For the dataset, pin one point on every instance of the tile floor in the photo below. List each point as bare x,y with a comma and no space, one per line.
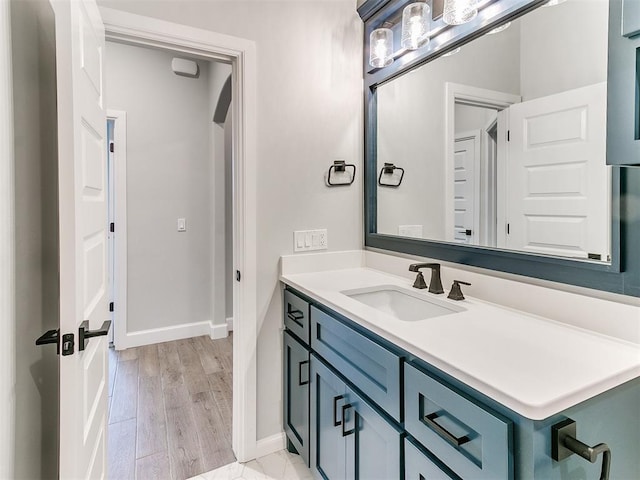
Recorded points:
280,465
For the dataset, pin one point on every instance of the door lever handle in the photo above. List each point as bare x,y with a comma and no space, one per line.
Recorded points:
84,334
50,336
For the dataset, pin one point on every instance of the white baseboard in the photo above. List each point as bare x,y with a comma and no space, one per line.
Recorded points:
230,324
168,334
219,331
271,444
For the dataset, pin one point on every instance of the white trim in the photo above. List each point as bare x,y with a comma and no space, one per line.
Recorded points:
7,251
136,29
219,331
171,333
467,95
230,324
120,219
269,445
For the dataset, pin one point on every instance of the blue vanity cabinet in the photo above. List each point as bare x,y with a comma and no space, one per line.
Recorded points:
296,316
418,465
350,439
328,446
623,97
374,369
296,394
470,439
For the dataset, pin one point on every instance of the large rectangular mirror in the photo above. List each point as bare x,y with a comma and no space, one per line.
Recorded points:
502,142
487,146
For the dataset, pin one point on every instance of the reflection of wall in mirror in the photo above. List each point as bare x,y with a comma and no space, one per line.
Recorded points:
547,51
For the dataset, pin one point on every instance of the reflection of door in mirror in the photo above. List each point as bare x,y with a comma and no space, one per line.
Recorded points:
557,201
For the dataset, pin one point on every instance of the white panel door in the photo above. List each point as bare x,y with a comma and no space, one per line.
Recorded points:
466,188
83,237
558,183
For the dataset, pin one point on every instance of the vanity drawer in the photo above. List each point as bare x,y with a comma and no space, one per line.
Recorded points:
418,466
370,367
469,439
296,315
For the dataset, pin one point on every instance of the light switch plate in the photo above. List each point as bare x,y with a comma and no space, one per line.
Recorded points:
182,225
307,240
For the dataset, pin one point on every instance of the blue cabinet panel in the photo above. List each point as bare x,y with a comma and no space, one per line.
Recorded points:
328,446
418,466
469,439
370,367
296,315
623,94
296,395
373,444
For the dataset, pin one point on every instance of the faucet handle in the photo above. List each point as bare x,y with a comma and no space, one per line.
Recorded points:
456,291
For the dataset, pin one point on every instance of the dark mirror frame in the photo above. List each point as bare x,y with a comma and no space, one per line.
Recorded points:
584,273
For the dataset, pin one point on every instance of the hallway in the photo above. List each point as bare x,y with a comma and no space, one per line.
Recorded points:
170,409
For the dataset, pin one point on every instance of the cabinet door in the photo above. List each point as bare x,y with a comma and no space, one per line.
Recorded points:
419,466
296,395
328,446
373,444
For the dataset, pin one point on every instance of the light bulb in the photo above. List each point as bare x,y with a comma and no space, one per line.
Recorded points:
381,47
416,19
457,12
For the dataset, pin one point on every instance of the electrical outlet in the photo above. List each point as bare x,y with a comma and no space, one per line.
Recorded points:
307,240
323,239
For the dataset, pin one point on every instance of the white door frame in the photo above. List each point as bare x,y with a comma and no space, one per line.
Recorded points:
467,95
145,31
7,251
119,179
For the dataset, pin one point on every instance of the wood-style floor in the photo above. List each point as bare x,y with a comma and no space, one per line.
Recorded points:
170,409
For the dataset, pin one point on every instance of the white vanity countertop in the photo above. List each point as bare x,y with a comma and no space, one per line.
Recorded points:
535,366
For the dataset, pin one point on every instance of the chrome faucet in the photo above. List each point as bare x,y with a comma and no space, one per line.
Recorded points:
435,285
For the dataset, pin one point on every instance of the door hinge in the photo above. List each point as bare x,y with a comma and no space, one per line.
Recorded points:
112,227
238,276
111,147
508,136
111,306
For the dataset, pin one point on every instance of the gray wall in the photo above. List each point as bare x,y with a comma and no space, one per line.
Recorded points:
36,237
573,33
169,168
309,113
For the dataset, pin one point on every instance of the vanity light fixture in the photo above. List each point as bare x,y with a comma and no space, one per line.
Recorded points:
416,20
381,45
457,12
499,29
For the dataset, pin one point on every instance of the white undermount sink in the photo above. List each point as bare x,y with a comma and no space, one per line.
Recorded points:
401,303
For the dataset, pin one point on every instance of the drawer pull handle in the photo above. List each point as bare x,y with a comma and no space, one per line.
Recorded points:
336,423
444,433
300,382
346,407
296,316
